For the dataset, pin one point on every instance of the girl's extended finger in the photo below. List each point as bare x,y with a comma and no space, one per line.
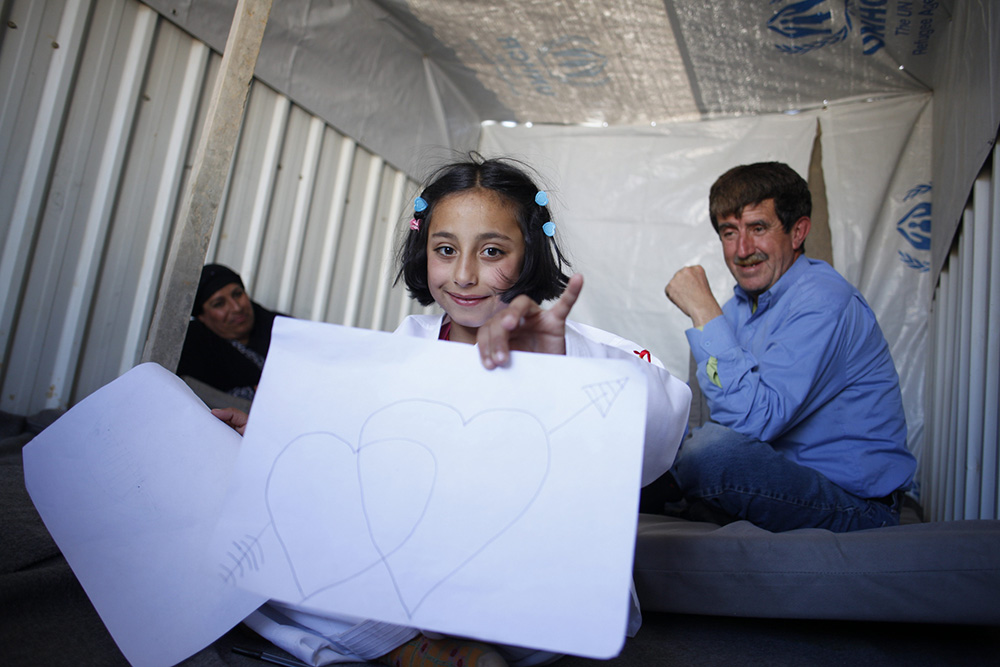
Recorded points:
569,296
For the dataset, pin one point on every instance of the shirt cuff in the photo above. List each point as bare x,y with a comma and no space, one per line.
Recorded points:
714,339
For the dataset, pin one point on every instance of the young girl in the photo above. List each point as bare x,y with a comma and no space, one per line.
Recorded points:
481,245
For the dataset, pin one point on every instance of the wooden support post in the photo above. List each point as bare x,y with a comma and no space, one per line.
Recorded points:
200,203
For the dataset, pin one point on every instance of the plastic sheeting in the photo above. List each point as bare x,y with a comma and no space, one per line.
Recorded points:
593,61
632,208
400,76
575,61
877,169
354,65
967,113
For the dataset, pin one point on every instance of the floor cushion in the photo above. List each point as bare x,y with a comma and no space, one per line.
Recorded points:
936,572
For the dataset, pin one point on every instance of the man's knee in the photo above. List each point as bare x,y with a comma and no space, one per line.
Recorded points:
709,444
701,456
715,457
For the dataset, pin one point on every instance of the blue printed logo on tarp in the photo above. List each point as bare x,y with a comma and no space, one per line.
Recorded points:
915,226
574,59
810,23
801,19
571,59
813,24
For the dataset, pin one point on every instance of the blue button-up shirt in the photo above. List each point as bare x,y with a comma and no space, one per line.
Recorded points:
809,371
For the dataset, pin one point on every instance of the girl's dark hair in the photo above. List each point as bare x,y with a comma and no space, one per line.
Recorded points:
542,275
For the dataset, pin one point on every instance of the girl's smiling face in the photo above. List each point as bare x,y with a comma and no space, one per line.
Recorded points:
475,251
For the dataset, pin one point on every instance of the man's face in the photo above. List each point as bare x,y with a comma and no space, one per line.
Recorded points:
757,249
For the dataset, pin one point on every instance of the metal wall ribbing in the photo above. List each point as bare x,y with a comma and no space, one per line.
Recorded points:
961,474
102,102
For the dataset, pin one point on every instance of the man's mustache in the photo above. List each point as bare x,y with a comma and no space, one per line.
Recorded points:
755,258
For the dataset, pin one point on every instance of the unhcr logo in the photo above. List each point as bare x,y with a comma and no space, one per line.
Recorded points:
809,24
806,18
915,227
814,24
574,60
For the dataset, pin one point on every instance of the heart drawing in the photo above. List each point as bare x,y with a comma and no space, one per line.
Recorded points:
421,493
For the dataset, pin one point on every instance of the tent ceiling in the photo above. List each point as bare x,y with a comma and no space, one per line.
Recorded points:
428,72
638,61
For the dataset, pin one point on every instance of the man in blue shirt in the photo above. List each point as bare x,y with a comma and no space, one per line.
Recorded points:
807,418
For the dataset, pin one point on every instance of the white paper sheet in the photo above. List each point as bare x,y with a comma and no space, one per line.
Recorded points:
395,479
130,483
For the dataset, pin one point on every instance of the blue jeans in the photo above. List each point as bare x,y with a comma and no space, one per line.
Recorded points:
726,476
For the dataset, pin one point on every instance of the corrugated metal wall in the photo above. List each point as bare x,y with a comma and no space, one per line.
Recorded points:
101,105
961,478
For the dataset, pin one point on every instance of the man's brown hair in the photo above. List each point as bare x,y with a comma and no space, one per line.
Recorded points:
750,184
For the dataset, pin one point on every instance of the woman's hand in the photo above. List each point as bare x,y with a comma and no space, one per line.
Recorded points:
233,418
527,327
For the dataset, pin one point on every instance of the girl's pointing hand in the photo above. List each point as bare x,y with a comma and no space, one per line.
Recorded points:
527,327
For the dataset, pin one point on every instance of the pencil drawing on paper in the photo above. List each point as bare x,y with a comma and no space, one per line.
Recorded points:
245,553
382,504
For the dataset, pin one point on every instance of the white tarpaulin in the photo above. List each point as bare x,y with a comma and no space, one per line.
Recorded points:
401,76
632,208
877,167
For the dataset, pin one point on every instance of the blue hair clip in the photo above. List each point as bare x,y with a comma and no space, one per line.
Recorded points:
542,199
419,205
549,228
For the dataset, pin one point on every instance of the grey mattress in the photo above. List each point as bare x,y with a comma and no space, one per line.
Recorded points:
943,572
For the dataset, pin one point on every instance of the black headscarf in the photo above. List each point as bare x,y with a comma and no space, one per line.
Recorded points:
213,278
